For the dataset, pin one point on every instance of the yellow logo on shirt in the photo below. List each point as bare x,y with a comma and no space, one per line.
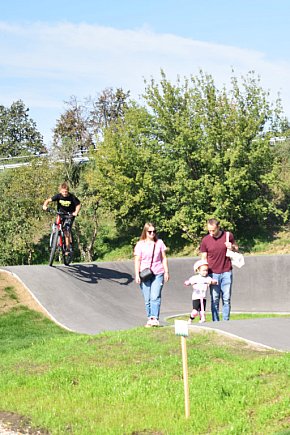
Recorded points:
64,203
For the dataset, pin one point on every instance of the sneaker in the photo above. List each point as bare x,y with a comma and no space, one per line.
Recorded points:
202,319
149,322
154,321
189,322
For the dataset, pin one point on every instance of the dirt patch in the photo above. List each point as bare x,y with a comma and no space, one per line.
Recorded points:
12,423
14,294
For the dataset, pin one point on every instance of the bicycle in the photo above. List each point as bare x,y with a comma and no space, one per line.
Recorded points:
57,238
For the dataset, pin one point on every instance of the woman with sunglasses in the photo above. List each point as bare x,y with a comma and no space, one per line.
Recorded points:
150,253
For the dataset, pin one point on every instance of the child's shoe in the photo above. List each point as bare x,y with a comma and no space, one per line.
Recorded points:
193,314
189,322
202,319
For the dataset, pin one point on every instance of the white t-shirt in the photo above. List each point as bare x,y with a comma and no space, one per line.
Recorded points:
200,285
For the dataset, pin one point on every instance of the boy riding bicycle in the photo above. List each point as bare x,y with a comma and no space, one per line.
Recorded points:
66,203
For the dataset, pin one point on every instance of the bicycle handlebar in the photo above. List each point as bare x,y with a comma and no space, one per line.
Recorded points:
61,213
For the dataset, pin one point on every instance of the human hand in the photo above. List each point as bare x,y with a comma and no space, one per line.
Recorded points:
166,276
44,207
229,245
137,279
187,282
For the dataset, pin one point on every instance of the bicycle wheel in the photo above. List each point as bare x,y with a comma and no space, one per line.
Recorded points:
53,247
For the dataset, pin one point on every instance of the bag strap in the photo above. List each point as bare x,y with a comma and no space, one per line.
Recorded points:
152,255
227,236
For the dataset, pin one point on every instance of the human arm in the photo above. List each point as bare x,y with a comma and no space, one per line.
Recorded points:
46,202
165,265
191,280
137,263
76,212
231,244
203,249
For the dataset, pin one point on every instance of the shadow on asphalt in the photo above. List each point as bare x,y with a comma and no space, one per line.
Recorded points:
92,274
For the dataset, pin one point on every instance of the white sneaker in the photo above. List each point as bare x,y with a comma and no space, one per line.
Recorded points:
148,324
189,322
202,320
154,321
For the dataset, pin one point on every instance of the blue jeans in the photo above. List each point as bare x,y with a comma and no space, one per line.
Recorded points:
151,290
222,289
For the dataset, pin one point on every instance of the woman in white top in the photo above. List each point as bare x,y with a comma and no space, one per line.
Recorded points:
150,253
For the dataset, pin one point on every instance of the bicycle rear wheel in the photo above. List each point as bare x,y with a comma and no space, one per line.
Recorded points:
53,247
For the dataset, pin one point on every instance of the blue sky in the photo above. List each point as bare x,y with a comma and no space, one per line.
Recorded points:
52,50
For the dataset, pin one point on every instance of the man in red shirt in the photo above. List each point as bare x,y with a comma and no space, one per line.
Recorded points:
213,248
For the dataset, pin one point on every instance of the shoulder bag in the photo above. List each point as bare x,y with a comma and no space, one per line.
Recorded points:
147,273
237,258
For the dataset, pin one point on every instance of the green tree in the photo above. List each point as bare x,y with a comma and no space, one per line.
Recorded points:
194,152
23,224
218,153
18,132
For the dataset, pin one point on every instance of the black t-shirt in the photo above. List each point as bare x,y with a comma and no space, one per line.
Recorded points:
66,204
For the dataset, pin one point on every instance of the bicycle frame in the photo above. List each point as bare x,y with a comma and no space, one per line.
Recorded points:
58,242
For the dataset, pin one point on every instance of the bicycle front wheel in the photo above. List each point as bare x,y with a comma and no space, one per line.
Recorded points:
68,256
54,241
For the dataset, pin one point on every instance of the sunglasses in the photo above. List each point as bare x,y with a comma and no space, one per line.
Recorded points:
151,232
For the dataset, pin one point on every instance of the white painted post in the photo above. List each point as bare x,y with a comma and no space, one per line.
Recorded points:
181,328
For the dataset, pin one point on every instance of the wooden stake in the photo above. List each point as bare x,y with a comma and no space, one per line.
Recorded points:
185,376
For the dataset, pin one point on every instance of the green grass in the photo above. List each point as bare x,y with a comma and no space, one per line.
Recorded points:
11,293
130,382
234,316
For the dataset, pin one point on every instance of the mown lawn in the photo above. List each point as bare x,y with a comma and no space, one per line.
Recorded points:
130,382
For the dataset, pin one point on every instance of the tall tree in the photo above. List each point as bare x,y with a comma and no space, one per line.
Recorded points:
18,132
106,109
71,137
196,151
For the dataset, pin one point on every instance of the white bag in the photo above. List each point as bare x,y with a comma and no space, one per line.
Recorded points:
237,258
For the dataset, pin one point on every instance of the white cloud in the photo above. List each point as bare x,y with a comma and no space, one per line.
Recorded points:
44,64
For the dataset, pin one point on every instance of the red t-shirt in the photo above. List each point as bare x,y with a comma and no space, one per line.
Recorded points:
216,252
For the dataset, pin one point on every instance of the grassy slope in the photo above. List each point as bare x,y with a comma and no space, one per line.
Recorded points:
131,381
279,245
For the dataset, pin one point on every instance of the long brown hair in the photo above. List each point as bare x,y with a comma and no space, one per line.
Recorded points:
145,229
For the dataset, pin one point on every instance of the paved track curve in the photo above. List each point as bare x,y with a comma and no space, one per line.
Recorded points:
95,297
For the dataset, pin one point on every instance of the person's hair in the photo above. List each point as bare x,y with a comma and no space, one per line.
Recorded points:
213,221
145,229
64,185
